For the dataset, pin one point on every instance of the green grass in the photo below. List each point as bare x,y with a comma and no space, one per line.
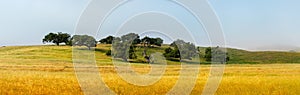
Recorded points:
263,57
64,54
35,55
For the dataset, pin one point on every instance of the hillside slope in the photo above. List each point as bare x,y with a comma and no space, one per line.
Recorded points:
53,55
242,56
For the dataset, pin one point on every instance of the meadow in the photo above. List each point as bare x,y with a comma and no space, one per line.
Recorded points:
36,70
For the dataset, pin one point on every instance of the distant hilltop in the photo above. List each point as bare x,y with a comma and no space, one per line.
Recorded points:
237,56
286,48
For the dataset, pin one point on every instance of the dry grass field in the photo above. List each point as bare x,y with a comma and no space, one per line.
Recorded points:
48,70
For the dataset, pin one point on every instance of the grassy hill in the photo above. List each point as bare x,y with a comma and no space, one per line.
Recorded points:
48,70
63,54
242,56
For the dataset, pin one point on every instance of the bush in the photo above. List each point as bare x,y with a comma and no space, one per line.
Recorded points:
108,53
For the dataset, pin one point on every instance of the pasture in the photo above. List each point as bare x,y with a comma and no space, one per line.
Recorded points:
36,70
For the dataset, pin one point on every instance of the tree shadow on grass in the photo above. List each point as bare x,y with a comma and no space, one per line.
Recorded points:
96,49
100,50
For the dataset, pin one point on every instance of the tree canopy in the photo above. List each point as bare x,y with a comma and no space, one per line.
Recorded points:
57,38
181,49
131,38
151,41
107,40
124,47
84,40
216,54
148,42
134,39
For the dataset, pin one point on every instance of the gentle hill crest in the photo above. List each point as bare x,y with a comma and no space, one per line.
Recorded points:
64,54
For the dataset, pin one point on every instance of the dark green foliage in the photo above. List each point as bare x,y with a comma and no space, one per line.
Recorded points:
108,53
207,55
147,41
168,50
172,53
124,47
187,49
216,55
124,52
57,38
132,54
107,40
69,43
158,41
182,50
131,38
199,52
84,40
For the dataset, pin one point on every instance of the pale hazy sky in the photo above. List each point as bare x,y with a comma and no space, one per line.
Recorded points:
248,24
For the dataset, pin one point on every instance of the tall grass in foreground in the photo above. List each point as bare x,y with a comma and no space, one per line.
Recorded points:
261,79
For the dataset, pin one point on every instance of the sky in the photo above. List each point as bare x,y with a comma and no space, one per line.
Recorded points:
247,24
260,24
26,22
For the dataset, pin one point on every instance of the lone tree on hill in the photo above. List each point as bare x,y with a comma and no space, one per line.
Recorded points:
84,40
57,38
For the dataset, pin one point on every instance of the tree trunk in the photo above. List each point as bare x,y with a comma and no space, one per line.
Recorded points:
57,44
145,53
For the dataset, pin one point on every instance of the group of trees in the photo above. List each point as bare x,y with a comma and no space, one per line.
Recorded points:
76,40
107,40
124,46
146,41
181,49
216,54
186,50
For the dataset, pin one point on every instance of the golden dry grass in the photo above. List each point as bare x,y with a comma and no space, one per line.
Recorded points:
275,79
23,82
48,70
